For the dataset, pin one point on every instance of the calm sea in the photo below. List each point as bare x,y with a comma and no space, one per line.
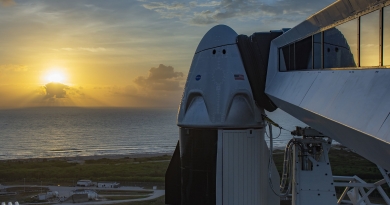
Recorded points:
70,132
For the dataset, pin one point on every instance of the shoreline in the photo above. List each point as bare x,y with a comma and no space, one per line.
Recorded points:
81,159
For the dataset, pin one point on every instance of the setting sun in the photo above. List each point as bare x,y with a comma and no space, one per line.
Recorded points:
55,76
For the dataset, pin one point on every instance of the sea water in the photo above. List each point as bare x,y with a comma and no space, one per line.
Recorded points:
70,132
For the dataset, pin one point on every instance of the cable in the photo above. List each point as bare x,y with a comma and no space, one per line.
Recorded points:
286,167
287,164
273,123
280,132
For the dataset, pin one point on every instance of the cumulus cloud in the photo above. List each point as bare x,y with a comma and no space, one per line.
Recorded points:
7,2
162,78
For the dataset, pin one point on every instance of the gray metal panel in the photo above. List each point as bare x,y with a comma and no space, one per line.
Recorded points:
333,14
344,8
322,19
219,169
273,62
359,5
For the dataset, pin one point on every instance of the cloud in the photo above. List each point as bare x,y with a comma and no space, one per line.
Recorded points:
228,9
7,2
162,78
55,90
98,49
204,4
212,12
67,49
161,5
13,68
168,10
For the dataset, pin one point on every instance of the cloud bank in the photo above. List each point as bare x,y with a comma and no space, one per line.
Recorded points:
7,2
213,12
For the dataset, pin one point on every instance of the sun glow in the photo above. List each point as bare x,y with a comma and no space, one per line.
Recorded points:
54,76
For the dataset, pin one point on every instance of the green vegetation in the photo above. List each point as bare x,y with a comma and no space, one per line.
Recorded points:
55,172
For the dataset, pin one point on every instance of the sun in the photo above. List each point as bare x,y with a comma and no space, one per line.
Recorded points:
55,76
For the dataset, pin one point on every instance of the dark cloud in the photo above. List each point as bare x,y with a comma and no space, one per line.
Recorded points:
53,91
7,2
56,90
162,78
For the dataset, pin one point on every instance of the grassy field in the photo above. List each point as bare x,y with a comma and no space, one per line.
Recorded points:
60,172
144,172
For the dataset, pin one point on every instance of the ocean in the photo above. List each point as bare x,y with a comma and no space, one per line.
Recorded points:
71,132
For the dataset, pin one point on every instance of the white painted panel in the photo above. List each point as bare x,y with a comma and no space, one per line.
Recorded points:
325,88
292,85
245,169
384,131
371,147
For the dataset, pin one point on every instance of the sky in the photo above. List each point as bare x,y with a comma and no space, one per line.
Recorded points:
120,53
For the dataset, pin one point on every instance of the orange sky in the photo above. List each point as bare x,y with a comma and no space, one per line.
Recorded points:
117,53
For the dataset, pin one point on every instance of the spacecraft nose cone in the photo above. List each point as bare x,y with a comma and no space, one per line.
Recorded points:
217,36
217,93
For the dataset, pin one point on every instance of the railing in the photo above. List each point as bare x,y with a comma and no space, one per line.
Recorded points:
355,189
